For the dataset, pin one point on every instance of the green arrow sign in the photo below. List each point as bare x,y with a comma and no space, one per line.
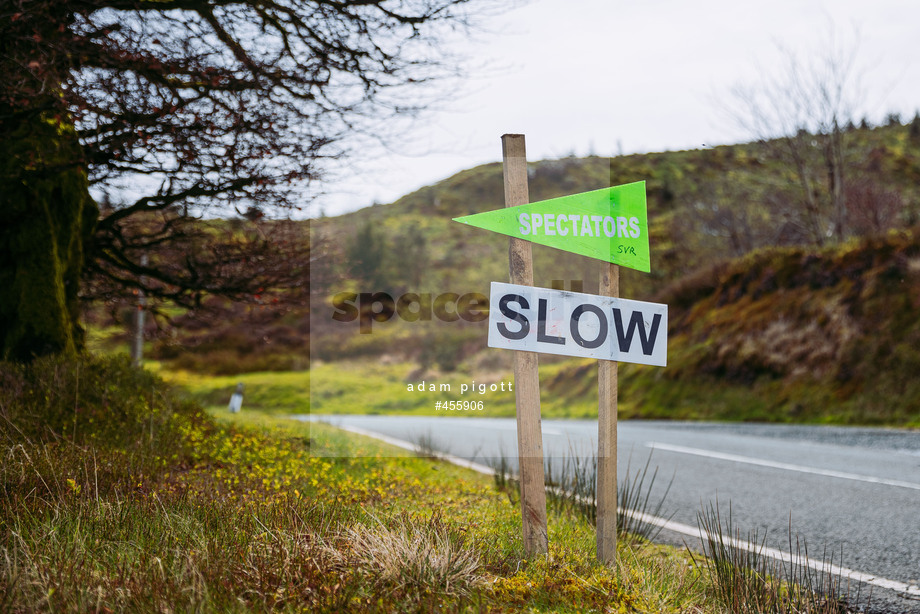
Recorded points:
609,224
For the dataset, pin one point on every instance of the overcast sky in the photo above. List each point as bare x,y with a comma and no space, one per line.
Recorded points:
618,76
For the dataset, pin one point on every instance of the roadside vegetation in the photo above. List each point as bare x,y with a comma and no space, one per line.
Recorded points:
119,496
746,580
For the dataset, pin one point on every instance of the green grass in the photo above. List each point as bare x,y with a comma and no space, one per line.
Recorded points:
370,387
351,387
254,512
148,504
270,391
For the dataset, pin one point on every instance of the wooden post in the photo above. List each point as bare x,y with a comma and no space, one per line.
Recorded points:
526,378
607,437
137,347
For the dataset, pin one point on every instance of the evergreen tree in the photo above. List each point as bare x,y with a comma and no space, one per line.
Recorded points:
367,259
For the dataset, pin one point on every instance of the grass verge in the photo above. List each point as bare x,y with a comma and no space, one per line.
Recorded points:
569,391
114,496
255,513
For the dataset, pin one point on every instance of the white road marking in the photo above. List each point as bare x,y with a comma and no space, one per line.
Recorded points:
905,589
786,557
778,465
512,426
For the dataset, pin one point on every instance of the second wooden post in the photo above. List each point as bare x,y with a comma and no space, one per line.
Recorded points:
607,437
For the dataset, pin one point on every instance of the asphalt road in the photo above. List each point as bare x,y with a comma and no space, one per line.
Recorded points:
854,492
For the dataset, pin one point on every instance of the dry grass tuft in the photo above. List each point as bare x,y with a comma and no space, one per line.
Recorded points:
415,556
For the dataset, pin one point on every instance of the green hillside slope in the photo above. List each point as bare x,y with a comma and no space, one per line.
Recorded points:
789,335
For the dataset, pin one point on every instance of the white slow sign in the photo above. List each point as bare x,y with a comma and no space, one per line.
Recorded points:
575,324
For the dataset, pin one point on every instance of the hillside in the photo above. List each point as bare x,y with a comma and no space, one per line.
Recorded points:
704,206
787,335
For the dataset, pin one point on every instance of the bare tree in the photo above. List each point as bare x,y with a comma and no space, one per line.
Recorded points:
729,220
873,208
800,111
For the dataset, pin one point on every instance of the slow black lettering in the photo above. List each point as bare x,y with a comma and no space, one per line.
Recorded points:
541,325
576,333
514,316
646,339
